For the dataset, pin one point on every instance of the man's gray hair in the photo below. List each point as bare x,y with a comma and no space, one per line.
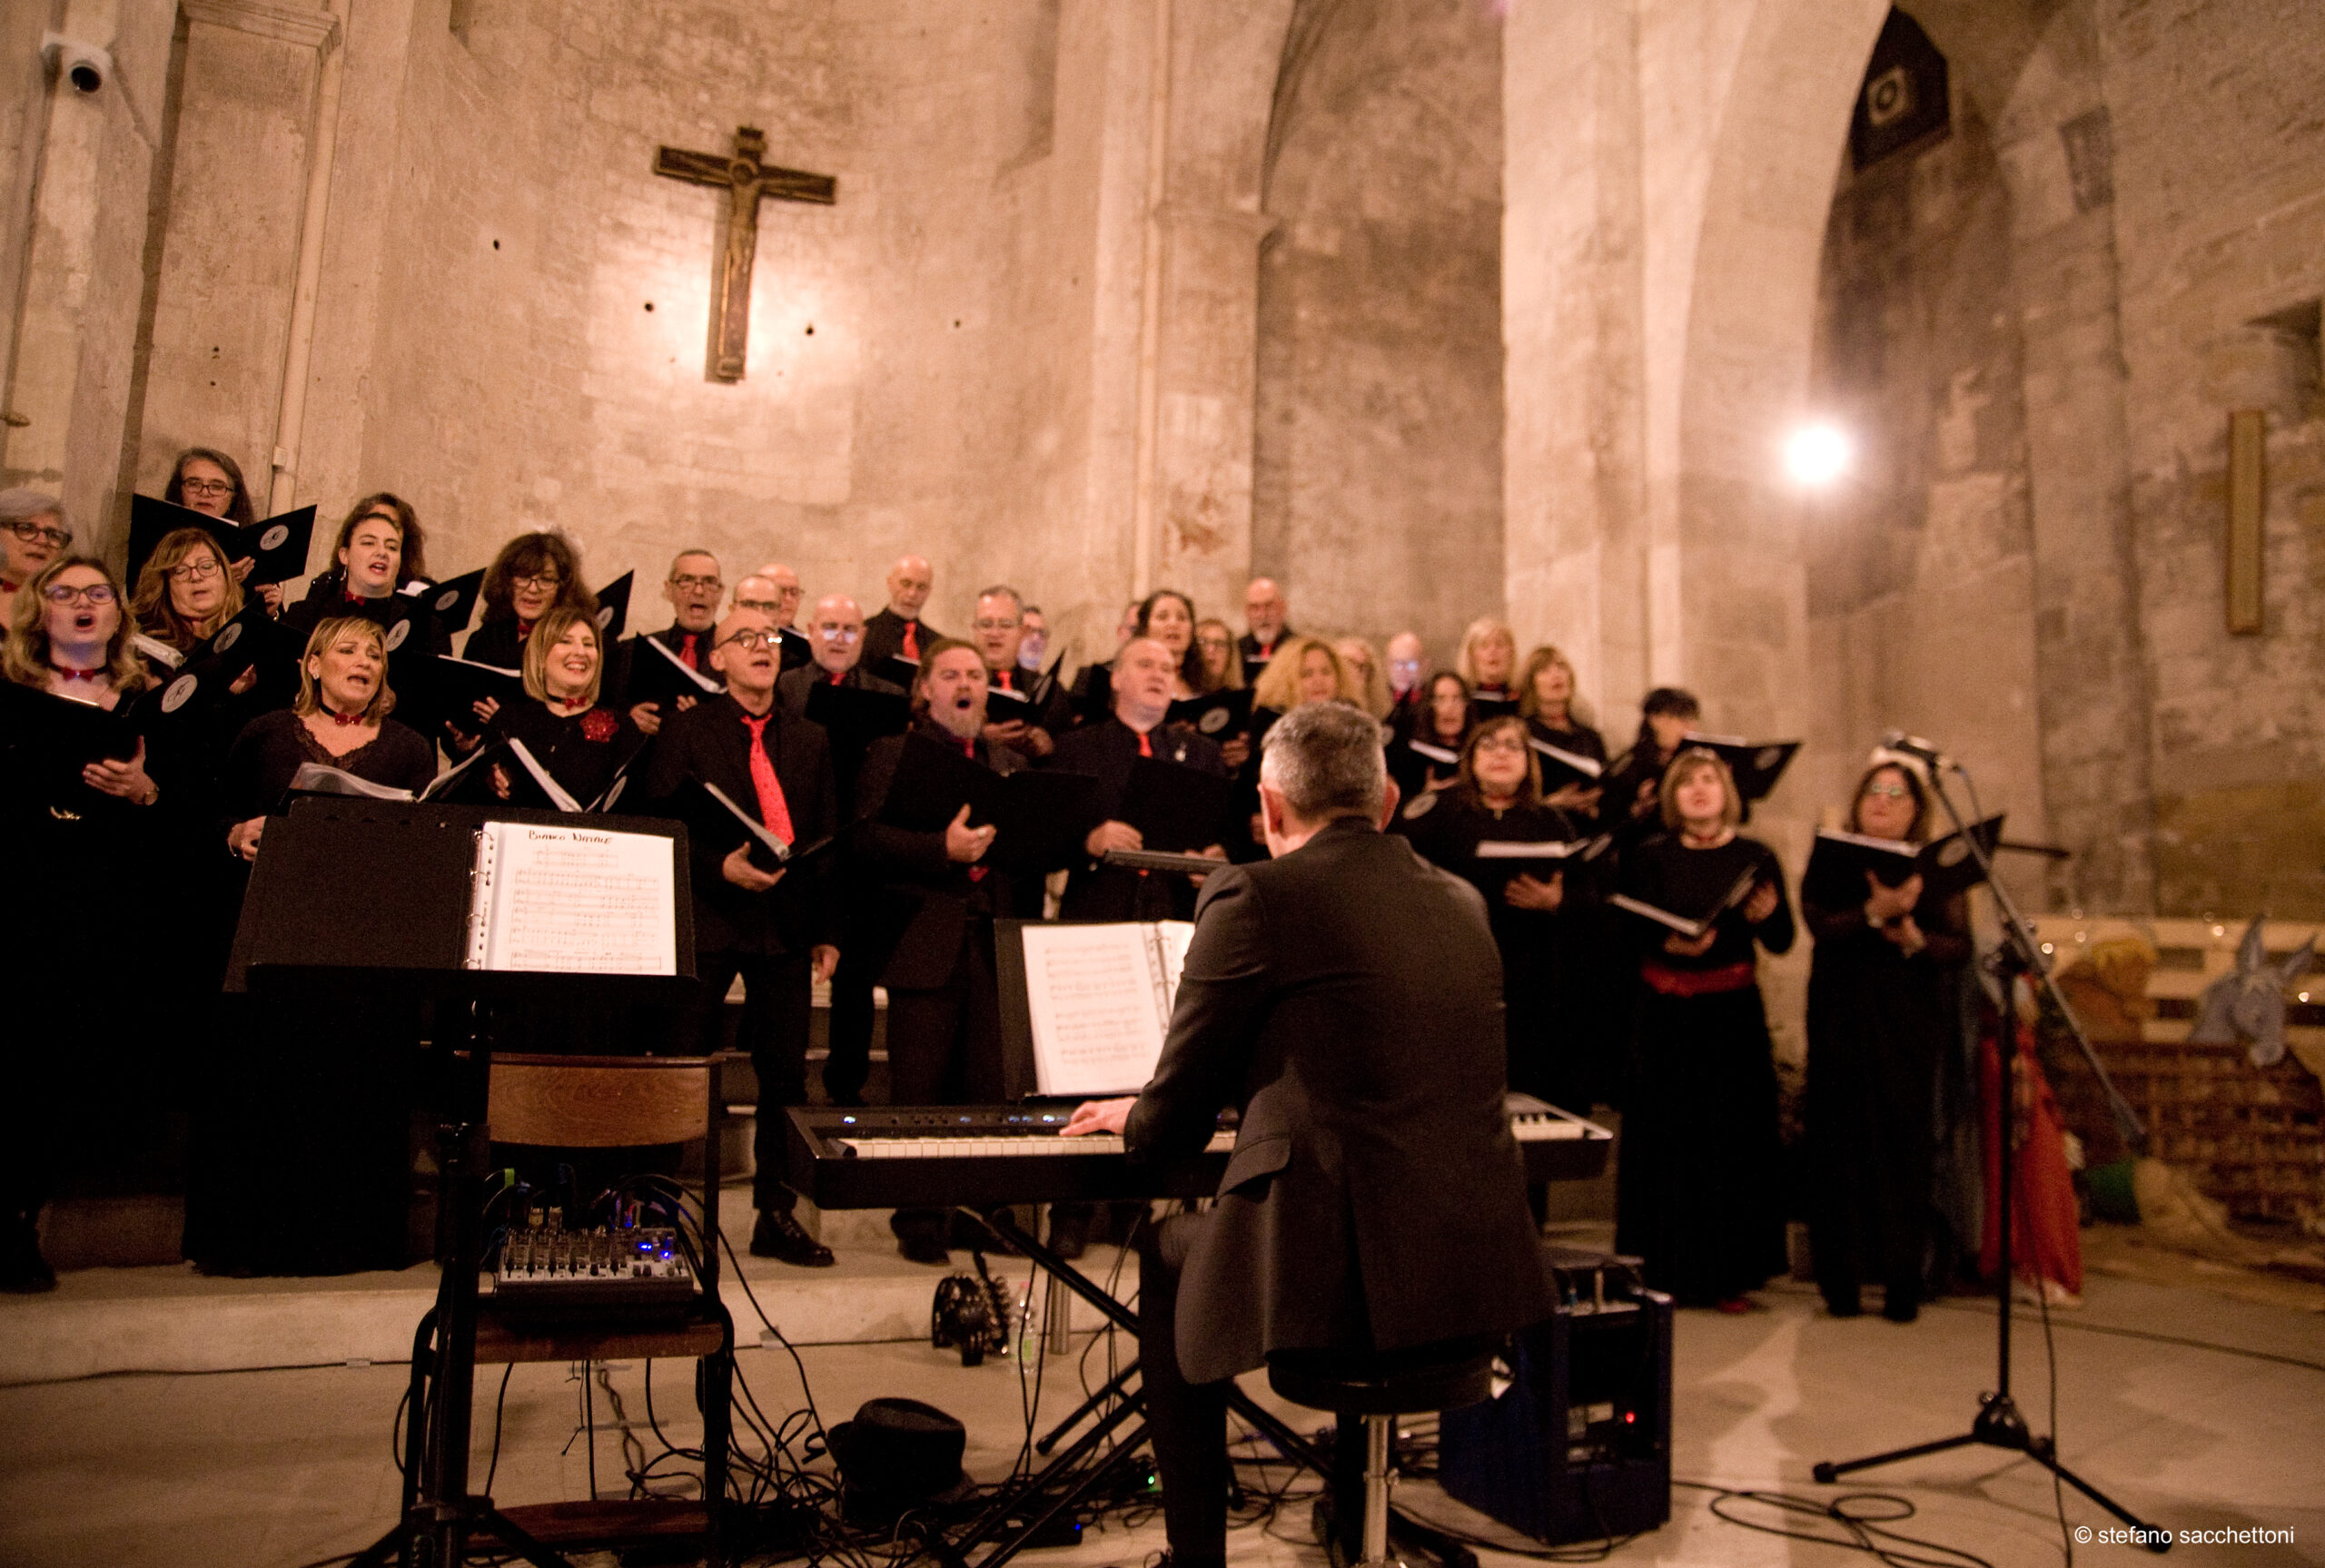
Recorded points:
1004,591
22,506
1327,759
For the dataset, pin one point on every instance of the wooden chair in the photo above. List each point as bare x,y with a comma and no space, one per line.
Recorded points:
610,1102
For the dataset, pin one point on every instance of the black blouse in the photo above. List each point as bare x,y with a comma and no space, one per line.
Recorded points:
1447,827
581,751
269,752
1668,873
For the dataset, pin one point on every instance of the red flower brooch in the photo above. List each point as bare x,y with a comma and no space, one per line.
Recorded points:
598,724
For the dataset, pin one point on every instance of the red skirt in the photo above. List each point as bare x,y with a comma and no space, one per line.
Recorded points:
2045,1224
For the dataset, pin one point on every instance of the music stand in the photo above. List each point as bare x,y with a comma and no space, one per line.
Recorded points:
352,898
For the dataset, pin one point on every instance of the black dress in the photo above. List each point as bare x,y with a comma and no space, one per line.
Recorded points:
302,1156
583,751
1547,1055
85,1040
1699,1190
1878,1022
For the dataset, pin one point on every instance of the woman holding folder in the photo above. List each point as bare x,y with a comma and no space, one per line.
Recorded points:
583,745
82,811
1882,991
1700,1196
1546,700
1496,803
299,1162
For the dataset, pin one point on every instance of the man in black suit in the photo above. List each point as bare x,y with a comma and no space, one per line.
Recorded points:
1025,719
899,628
1347,996
692,587
1109,751
775,929
943,1000
835,638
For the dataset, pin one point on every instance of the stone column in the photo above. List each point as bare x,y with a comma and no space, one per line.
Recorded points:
1573,502
230,265
71,393
1202,471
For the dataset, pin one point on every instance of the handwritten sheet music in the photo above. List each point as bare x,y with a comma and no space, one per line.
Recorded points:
574,900
1099,1000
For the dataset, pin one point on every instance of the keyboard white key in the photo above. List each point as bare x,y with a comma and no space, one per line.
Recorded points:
1002,1146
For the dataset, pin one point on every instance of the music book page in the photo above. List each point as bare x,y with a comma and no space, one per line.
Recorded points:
1099,1000
573,900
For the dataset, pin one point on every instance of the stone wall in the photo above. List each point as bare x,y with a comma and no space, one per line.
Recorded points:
1378,461
2218,175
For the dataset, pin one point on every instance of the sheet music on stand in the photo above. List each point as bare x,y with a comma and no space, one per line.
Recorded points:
1098,1000
572,901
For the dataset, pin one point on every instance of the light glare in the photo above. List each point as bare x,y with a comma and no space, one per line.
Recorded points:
1816,454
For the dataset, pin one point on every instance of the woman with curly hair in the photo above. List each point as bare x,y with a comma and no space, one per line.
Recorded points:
532,575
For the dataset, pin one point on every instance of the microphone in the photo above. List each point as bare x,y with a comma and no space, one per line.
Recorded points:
1914,746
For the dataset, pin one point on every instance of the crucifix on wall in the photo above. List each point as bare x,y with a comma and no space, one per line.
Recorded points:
746,179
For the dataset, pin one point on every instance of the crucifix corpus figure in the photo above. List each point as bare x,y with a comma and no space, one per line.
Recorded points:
745,180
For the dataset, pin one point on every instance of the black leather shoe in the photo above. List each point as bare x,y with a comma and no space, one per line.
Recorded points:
22,1270
778,1235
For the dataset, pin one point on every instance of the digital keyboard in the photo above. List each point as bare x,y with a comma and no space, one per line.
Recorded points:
982,1155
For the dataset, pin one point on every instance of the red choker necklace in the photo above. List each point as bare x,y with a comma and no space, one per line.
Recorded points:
337,717
66,672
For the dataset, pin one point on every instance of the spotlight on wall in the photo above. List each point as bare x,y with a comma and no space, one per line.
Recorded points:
1818,454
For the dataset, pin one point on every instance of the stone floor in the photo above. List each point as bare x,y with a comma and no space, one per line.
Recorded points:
2202,1411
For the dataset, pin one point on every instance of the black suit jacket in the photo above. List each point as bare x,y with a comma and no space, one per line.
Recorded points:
1105,751
709,743
884,634
792,687
1348,998
919,894
1249,646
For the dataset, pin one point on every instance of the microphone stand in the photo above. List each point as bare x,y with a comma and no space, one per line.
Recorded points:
1999,1423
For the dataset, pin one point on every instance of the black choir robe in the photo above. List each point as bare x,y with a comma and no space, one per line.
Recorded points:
1699,1190
1105,751
710,743
884,634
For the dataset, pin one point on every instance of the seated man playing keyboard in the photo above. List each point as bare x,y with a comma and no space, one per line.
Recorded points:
1346,996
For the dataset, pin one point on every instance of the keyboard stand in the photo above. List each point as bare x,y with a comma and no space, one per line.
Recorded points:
1015,1499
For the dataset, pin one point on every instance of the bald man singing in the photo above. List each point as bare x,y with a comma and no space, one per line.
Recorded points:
899,628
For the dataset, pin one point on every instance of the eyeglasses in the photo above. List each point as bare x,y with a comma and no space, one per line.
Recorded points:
788,596
542,581
1503,744
1888,791
65,593
1216,645
697,585
830,632
193,570
34,533
990,624
766,607
749,639
206,487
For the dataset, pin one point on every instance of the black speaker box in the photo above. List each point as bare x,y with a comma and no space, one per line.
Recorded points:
1578,1445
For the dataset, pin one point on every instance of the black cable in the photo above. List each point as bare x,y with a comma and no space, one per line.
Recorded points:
2051,1363
1860,1532
499,1405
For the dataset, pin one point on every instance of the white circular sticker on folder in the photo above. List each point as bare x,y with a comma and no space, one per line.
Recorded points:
447,599
180,690
227,638
273,539
604,617
1953,851
1212,723
1767,757
397,634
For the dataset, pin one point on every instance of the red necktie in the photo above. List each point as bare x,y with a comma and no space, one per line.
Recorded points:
773,811
839,675
912,640
687,657
1145,746
1004,679
969,750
